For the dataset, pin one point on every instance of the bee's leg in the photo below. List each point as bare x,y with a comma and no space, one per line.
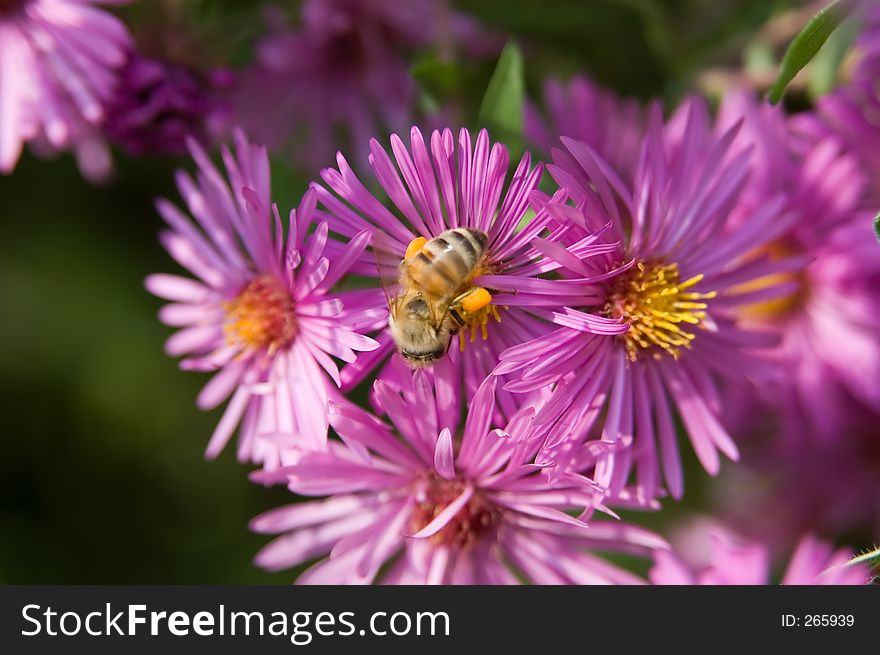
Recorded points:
473,300
475,306
415,246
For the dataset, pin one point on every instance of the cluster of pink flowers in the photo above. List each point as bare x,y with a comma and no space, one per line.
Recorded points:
624,301
73,77
707,553
659,278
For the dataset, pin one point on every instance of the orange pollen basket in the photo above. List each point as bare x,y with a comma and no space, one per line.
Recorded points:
261,316
478,309
660,309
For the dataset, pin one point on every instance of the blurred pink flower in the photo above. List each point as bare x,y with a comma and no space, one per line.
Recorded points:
830,346
427,500
58,65
852,112
803,483
157,104
581,110
343,75
707,553
261,310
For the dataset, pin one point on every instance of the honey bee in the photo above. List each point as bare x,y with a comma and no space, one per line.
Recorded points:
436,296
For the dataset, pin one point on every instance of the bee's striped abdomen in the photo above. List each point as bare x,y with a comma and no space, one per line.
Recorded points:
445,262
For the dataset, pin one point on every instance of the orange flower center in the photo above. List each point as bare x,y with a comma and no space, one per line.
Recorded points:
261,316
474,520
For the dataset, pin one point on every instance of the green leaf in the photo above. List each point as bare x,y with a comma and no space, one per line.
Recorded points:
502,107
877,226
805,46
437,77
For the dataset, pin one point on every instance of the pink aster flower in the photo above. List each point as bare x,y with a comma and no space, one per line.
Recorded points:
261,310
851,111
58,61
830,346
803,483
581,110
708,554
425,500
672,264
443,185
344,73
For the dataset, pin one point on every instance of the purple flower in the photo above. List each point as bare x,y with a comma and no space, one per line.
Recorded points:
344,73
804,483
158,104
447,185
820,179
261,311
830,346
429,501
583,111
57,68
709,554
852,112
673,259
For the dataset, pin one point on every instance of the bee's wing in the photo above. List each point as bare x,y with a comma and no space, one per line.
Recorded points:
442,308
388,262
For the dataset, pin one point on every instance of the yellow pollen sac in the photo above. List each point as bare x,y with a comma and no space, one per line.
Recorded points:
479,320
659,309
476,300
415,246
261,316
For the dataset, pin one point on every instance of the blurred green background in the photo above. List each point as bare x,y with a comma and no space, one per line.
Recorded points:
102,478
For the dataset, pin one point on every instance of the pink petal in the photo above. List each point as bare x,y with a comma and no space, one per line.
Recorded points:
444,456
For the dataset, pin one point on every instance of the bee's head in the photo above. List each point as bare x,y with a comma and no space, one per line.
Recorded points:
419,341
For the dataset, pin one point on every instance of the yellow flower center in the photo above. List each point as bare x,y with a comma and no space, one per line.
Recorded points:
765,310
261,316
769,309
660,309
